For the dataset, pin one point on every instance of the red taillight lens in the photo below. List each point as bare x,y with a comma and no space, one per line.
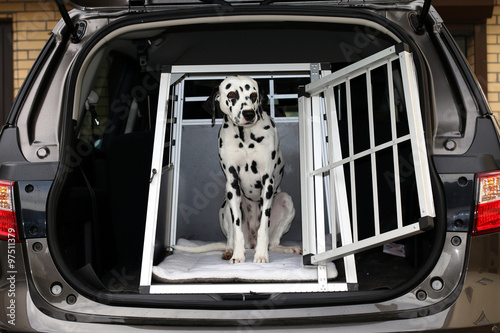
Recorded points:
8,221
487,217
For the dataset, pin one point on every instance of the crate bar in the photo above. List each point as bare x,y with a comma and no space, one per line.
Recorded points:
373,156
318,187
395,151
306,186
333,150
367,243
356,69
364,153
240,68
317,144
247,288
176,155
325,156
422,173
352,169
272,108
338,204
155,180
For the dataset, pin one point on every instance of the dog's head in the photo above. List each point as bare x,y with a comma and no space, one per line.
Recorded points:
239,98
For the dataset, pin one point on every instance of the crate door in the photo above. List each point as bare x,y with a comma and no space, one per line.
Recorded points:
376,164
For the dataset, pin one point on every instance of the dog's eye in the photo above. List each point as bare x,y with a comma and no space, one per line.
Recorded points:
231,95
253,97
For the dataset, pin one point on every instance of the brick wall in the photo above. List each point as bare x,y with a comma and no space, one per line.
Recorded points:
32,22
493,58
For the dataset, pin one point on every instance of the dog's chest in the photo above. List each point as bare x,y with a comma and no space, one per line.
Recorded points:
253,153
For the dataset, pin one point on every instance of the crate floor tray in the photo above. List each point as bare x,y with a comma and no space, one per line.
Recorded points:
184,267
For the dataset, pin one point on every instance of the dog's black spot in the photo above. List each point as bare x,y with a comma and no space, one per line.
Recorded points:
235,184
269,193
220,142
223,166
241,145
268,212
282,171
229,195
246,167
273,155
247,86
254,167
251,145
279,160
228,86
242,133
232,215
241,88
238,169
272,122
254,138
223,204
226,125
236,136
264,178
267,127
236,187
238,222
258,184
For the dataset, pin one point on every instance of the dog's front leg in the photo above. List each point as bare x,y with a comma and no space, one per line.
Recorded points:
266,202
233,196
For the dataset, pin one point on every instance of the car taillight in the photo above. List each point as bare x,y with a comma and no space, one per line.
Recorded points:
487,217
8,221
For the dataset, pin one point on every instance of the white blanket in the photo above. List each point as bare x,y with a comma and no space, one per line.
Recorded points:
184,267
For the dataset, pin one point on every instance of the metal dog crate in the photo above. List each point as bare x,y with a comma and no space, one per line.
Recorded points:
324,206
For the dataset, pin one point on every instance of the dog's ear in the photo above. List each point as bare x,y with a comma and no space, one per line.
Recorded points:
263,100
211,105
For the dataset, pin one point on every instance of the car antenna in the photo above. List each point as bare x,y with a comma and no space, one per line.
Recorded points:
418,20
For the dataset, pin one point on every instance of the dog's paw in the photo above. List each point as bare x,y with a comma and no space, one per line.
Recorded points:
234,260
227,255
237,258
286,249
294,249
261,258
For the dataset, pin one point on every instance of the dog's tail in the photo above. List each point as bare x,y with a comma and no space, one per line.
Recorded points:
202,248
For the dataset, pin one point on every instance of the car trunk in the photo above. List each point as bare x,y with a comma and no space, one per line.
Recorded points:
142,170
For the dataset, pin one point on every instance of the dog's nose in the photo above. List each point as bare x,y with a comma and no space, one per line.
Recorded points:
249,115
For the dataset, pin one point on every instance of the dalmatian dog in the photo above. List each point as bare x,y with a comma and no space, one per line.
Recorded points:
255,213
